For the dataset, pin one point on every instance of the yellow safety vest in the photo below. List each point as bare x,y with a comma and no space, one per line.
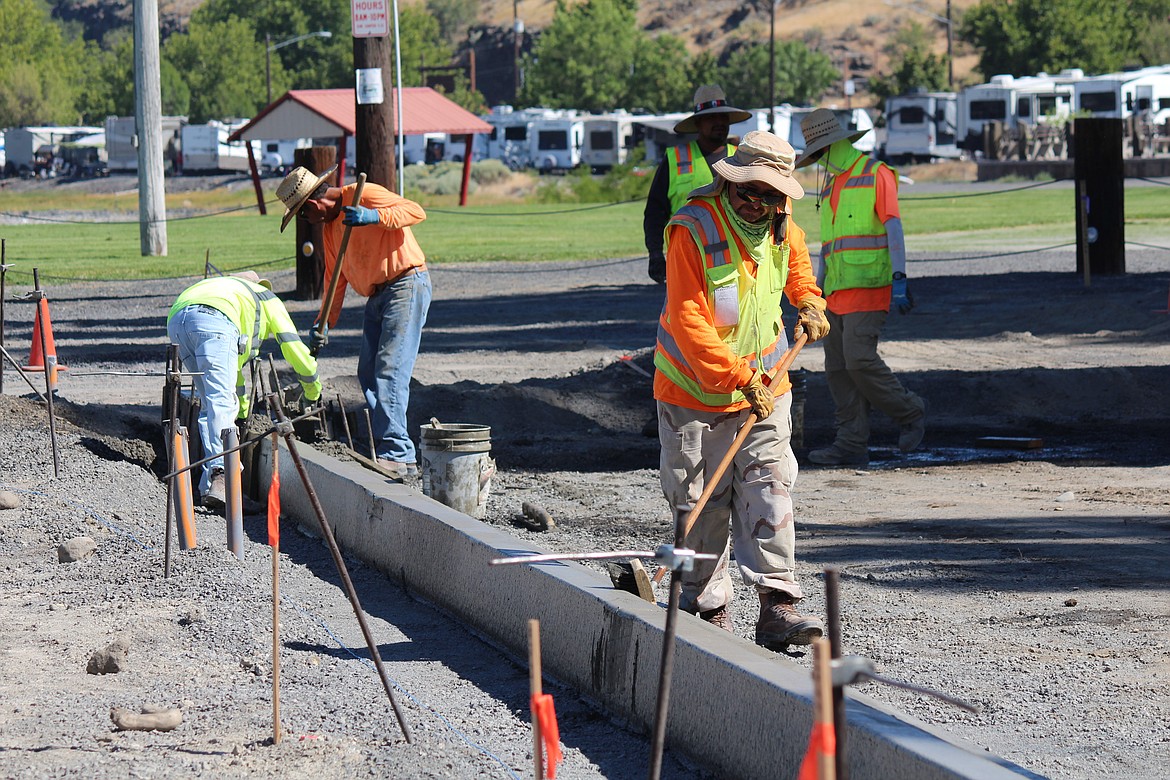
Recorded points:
688,171
854,245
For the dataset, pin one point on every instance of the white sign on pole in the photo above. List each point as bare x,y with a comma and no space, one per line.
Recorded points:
371,18
369,86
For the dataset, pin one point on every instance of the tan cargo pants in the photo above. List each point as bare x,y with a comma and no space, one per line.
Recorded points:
752,496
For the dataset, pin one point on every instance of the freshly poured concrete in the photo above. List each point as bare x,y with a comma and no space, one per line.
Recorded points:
727,696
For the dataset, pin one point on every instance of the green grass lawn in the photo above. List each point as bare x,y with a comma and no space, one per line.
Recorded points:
519,231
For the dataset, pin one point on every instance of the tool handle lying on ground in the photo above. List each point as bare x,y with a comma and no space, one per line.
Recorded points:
713,480
322,325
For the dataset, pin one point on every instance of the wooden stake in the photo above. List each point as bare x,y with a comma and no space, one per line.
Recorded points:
275,620
534,689
823,705
370,433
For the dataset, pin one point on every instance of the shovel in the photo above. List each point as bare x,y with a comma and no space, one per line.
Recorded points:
322,324
689,520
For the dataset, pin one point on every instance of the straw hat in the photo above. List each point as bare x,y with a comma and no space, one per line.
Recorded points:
709,99
296,189
254,278
765,158
821,130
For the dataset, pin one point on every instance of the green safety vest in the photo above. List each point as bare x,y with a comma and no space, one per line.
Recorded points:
757,332
258,314
854,247
688,171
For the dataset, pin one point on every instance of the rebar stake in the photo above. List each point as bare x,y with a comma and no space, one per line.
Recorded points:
327,533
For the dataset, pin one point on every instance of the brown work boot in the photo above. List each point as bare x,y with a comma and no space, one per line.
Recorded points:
720,617
214,498
780,625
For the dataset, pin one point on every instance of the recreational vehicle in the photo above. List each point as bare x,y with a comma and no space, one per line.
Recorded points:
608,139
122,143
1120,95
510,140
33,151
921,126
206,149
557,138
1011,101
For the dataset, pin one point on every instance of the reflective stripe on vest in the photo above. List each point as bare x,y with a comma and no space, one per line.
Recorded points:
854,248
688,171
759,334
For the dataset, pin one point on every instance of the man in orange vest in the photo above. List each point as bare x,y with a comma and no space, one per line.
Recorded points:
733,252
863,271
687,167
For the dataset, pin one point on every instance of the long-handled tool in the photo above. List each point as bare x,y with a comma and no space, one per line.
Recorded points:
713,480
322,324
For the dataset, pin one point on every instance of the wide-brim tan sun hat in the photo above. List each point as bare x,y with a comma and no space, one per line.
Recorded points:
764,158
822,128
710,99
296,189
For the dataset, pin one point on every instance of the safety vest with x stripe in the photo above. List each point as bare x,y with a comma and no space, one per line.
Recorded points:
854,247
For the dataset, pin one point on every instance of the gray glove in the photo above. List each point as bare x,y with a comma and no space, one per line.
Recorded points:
317,339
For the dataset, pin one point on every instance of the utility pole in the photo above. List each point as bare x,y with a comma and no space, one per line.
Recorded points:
517,31
772,71
374,131
152,207
950,44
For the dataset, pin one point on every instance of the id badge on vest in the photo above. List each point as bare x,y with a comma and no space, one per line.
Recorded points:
726,306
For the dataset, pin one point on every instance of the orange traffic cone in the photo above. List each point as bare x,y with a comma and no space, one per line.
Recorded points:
40,357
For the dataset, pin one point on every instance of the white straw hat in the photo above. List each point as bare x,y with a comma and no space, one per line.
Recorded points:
296,189
762,157
822,129
709,99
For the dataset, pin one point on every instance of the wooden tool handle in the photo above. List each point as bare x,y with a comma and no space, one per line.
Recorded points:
323,318
713,480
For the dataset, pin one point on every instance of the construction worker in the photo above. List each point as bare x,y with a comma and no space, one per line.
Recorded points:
383,262
219,324
687,167
732,251
863,271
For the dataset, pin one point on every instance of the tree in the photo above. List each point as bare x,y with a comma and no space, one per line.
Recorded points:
106,83
223,67
1022,37
37,69
802,75
454,17
657,83
912,65
584,58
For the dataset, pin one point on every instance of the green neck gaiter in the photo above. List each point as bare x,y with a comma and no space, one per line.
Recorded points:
754,232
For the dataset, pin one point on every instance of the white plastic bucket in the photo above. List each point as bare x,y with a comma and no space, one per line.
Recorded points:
455,465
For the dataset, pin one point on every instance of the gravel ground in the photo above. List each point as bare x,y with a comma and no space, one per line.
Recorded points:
1032,582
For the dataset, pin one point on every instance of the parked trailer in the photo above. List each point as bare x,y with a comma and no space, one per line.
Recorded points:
921,126
608,140
510,140
556,142
122,143
206,150
31,150
1011,101
1121,95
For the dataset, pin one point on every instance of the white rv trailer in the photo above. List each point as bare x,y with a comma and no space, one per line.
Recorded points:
122,142
1011,101
205,148
29,149
921,126
1120,95
608,139
511,139
556,140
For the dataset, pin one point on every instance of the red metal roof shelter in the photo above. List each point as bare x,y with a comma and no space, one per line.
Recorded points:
330,113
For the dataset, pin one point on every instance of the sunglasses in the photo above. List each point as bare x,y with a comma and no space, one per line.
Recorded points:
770,199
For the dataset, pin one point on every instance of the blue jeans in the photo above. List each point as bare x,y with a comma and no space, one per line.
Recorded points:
209,342
391,331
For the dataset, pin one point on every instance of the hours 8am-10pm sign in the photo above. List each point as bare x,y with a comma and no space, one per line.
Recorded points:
371,18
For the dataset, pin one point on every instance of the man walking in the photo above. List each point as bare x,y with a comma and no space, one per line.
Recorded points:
384,263
732,252
687,167
219,324
863,270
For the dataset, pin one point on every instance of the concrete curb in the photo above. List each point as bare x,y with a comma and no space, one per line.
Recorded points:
735,707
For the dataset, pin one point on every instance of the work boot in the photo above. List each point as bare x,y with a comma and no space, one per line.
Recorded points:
720,617
834,455
780,625
911,435
398,467
215,497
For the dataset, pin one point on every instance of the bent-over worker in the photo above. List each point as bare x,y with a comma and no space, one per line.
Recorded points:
219,324
732,251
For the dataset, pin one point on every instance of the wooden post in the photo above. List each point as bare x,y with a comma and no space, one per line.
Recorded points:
311,266
823,705
1102,169
152,207
374,124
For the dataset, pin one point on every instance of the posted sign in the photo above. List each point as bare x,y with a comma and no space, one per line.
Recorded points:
371,18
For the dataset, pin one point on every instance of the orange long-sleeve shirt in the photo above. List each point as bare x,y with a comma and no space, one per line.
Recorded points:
375,254
691,321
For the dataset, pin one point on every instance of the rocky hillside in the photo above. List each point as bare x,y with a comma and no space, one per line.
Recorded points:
852,33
